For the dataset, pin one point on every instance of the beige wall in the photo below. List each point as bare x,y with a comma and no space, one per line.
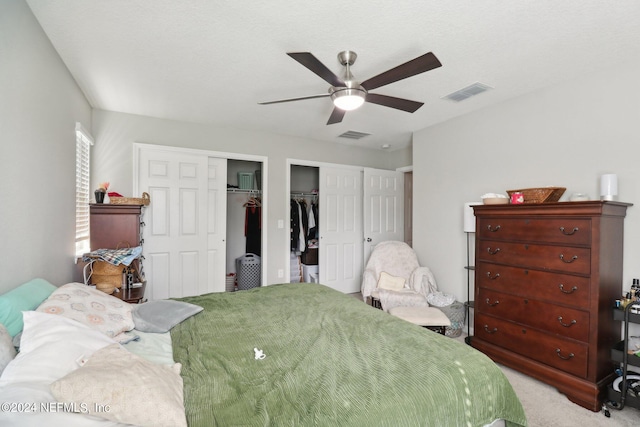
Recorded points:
115,134
567,136
40,104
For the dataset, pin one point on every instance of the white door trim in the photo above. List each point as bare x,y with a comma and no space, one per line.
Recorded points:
138,146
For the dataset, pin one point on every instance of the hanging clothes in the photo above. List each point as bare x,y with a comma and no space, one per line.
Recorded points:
302,204
253,227
295,226
313,228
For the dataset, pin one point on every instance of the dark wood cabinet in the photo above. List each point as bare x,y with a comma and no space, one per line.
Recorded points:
114,226
547,276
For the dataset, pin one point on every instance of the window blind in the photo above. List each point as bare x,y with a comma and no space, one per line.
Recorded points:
84,141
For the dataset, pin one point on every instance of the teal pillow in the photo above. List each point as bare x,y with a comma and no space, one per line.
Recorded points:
25,297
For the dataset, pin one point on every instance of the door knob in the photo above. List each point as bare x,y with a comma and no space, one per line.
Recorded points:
368,239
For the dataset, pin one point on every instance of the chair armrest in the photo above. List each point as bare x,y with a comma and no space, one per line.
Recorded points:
369,283
423,281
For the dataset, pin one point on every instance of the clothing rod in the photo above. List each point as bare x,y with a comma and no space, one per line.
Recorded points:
301,194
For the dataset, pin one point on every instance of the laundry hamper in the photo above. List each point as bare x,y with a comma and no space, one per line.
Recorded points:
456,313
248,271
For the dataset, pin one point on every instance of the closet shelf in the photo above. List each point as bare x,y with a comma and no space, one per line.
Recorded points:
240,190
303,194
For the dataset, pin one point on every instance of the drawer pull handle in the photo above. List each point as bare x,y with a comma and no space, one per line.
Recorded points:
493,331
490,304
573,258
493,230
494,277
570,233
493,252
573,289
570,356
573,322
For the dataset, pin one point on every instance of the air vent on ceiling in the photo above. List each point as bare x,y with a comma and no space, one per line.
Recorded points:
352,134
467,92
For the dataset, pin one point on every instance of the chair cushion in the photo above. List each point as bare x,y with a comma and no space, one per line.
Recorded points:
423,316
393,283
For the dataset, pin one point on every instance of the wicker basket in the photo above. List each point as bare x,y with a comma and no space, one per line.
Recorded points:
107,288
142,201
105,273
540,195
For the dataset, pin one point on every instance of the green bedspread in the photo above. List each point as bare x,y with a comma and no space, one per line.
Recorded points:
331,360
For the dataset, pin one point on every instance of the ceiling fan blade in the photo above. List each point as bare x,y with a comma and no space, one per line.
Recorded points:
294,99
314,64
336,116
423,63
397,103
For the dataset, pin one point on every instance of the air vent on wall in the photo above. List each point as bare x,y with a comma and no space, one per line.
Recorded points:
467,92
352,134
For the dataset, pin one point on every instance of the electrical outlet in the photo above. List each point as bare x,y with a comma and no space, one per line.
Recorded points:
280,273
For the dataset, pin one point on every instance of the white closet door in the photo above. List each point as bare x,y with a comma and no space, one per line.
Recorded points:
216,226
340,211
383,208
176,234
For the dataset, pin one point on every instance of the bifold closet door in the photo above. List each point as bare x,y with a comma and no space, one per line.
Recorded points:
340,211
182,255
383,208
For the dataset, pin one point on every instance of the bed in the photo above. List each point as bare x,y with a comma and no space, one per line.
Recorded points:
289,354
329,360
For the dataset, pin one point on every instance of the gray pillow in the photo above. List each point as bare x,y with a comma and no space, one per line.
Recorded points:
162,315
7,350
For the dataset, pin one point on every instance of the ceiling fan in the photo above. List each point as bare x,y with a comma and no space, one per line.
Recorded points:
348,94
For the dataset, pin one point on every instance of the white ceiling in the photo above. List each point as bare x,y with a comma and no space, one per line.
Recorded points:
213,61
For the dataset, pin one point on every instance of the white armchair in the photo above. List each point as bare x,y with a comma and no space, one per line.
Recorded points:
398,260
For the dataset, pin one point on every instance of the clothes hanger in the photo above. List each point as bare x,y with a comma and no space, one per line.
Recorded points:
252,202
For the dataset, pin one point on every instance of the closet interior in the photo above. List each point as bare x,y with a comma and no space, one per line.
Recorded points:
244,225
304,224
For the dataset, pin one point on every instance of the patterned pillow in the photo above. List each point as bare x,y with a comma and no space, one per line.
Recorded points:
107,314
135,390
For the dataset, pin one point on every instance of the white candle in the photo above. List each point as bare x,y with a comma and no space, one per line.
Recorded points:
608,186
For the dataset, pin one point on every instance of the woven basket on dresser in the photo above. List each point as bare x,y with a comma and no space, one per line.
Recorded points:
540,195
141,201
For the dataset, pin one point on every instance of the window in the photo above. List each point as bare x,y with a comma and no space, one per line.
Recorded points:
84,141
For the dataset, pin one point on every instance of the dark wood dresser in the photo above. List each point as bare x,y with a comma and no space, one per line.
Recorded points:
114,226
547,277
118,226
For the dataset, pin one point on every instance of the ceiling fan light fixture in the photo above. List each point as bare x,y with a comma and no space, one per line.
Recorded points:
348,99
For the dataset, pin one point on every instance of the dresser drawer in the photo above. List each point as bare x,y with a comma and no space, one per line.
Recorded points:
542,315
555,287
566,231
564,354
545,257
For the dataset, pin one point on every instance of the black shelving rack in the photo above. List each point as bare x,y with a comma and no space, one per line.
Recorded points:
620,354
469,304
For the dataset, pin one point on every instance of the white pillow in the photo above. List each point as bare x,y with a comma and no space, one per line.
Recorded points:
50,348
119,386
392,283
7,350
107,314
